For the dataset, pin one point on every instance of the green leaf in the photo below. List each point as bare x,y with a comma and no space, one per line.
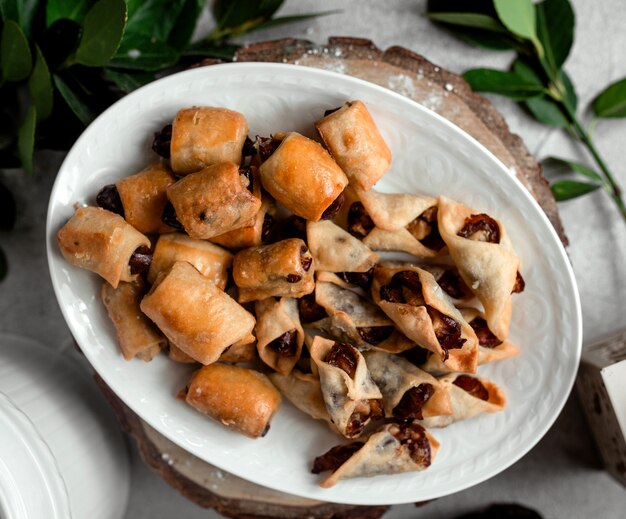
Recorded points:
40,86
15,57
475,20
487,40
234,13
566,166
140,53
504,83
78,106
154,18
7,209
20,11
128,81
26,139
568,189
555,30
212,50
518,16
102,33
183,29
547,111
4,267
68,9
570,94
612,101
282,20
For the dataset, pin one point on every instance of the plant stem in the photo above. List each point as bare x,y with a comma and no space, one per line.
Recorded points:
615,191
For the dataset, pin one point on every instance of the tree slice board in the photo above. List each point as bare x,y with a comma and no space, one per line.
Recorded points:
409,74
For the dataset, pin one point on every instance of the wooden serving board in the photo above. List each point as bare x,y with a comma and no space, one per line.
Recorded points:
409,74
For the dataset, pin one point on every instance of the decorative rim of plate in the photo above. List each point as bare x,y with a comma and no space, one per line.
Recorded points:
334,494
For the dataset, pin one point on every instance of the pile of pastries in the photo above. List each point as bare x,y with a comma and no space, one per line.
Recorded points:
258,260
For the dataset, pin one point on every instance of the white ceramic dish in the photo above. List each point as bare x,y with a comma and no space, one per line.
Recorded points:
430,155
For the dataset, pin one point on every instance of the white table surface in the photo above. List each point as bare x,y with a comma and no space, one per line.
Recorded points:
562,476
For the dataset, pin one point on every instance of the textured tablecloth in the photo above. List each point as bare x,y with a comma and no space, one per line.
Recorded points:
562,475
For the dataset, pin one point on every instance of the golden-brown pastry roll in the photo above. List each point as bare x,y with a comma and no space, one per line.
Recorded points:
279,333
103,242
490,348
144,196
353,139
251,235
242,351
136,335
304,391
203,136
412,298
303,177
353,319
484,255
408,392
214,200
470,396
351,396
282,269
335,250
392,449
240,398
195,314
211,260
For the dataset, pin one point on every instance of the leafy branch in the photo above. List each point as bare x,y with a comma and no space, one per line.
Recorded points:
541,35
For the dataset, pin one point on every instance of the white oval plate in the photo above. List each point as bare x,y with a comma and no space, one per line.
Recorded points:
431,156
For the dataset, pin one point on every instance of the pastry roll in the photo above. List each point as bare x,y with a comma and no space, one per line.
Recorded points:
304,178
103,242
354,319
251,235
214,200
279,333
209,259
136,335
304,391
144,196
194,314
178,355
408,392
412,298
469,396
490,348
243,350
353,139
203,136
239,398
282,269
351,396
394,211
392,449
335,250
484,255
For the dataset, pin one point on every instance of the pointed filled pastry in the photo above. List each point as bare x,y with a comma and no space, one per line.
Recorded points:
103,242
470,396
239,398
394,211
279,333
484,255
351,396
304,391
282,269
335,250
203,136
392,449
195,315
136,334
210,260
408,392
354,141
140,198
412,298
214,200
353,319
450,281
490,348
303,177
